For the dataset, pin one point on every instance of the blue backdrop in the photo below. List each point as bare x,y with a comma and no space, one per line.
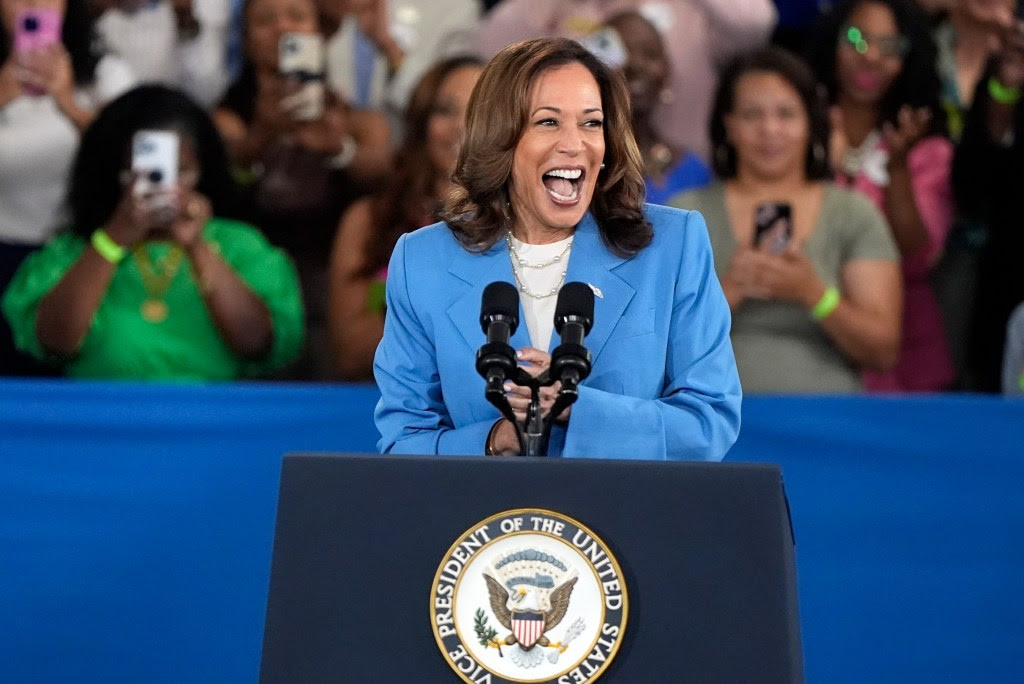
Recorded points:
136,527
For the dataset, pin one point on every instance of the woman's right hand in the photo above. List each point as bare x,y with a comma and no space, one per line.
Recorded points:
739,280
137,216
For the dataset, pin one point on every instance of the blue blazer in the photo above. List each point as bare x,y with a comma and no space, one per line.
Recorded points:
664,382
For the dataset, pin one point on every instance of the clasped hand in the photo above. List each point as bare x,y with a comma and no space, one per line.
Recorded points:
535,362
178,214
787,276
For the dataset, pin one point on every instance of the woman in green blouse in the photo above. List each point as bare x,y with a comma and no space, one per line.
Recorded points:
156,285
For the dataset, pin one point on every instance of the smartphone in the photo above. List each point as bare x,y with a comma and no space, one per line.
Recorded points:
154,162
607,45
773,226
301,59
301,56
35,29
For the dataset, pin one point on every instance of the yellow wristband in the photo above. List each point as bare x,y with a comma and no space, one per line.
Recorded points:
106,247
826,305
1002,94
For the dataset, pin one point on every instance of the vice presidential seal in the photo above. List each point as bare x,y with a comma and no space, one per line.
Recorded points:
529,595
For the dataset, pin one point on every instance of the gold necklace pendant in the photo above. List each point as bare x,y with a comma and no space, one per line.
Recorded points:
154,310
156,283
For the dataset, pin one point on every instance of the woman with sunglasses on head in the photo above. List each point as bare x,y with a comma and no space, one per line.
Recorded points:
877,61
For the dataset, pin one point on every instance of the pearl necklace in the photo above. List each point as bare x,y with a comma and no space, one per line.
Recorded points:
518,261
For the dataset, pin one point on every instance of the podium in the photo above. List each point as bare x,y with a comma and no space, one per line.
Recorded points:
704,552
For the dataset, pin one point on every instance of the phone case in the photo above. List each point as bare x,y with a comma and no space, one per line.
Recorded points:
154,161
607,45
773,226
36,28
302,56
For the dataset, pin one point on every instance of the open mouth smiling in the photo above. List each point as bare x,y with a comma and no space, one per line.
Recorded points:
563,185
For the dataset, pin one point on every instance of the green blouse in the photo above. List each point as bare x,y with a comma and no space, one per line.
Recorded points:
186,345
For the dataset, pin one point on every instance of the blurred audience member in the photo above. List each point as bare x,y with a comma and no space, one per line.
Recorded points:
1013,358
967,36
877,60
166,288
379,49
817,296
644,63
700,35
988,177
305,154
966,39
434,123
179,43
48,95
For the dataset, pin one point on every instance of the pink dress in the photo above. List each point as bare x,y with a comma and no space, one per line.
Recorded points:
925,363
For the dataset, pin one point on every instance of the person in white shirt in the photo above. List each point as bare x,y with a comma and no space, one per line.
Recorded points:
178,43
700,37
379,49
48,96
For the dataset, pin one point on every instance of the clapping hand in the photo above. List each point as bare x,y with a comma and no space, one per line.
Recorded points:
911,125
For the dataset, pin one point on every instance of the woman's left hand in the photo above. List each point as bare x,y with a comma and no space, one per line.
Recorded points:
535,363
194,211
789,276
911,125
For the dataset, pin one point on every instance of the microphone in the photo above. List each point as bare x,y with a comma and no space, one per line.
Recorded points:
499,318
574,316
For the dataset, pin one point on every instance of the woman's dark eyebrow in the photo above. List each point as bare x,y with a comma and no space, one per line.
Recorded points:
556,110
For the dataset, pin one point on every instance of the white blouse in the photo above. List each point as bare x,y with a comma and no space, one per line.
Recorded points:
37,146
540,313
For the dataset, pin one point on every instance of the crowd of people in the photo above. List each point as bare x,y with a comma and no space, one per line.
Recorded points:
856,164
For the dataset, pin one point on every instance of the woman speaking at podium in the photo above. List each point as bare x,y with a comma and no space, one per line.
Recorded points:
549,190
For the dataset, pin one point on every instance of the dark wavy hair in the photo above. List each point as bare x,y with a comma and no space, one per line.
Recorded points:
78,39
497,117
408,199
793,70
105,150
918,83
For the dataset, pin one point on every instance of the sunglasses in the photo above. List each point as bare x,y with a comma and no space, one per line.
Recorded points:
889,46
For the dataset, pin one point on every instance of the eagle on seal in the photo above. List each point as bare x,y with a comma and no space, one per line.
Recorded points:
529,608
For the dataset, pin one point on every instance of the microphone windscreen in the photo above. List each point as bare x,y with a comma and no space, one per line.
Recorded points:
575,299
500,299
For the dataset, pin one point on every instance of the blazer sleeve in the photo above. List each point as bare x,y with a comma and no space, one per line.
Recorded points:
411,415
697,416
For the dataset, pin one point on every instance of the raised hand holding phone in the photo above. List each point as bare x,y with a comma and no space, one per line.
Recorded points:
37,37
301,64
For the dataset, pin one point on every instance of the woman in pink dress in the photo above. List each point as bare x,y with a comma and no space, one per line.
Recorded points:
877,61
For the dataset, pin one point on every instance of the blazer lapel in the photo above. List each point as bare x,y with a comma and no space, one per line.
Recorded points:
476,271
592,263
